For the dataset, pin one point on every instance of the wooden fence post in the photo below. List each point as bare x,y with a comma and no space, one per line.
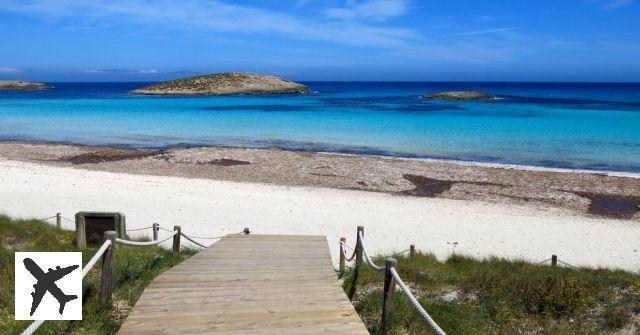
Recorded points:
107,277
389,288
359,245
59,220
155,229
554,260
342,252
412,250
81,235
176,240
356,269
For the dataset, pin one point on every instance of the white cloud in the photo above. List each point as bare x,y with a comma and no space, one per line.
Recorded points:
9,70
610,4
486,31
114,71
379,10
613,4
225,17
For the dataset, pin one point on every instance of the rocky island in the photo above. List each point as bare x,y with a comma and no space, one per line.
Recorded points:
16,85
460,95
225,84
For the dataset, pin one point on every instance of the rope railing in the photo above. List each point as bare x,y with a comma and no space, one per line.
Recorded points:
138,229
192,241
45,219
36,324
367,259
391,279
416,304
344,252
32,327
95,258
145,243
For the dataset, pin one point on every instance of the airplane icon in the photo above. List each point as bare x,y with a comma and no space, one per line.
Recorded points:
46,282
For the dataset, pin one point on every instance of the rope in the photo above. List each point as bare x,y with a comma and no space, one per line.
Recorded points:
32,327
400,252
344,252
205,238
567,264
546,260
68,219
45,219
434,326
136,229
366,256
165,229
36,324
192,241
145,244
95,257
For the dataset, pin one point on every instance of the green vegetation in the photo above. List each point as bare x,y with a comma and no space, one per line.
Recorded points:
497,296
136,267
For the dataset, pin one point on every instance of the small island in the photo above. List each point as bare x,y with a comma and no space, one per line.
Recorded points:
16,85
233,83
460,95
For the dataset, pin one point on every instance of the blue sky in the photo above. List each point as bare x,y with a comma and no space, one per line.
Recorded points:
424,40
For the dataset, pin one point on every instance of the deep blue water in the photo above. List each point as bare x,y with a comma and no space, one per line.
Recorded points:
574,125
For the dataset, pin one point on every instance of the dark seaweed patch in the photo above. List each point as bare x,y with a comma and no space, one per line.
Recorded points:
429,187
623,207
107,155
225,162
426,187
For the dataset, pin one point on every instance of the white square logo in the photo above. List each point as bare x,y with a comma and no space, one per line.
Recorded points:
48,285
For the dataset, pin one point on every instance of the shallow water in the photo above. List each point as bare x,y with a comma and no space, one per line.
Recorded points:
590,126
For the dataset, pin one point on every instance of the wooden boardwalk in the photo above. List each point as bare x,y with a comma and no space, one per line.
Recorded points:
248,284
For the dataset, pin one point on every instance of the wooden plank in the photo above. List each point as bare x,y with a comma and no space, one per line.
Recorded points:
248,284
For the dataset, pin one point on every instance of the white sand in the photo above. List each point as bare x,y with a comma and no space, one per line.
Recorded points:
206,207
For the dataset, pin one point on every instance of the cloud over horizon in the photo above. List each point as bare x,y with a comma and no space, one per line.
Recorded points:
312,39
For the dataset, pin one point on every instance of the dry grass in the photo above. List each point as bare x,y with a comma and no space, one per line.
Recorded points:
497,296
135,268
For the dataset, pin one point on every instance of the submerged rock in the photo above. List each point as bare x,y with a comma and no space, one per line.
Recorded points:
16,85
460,95
225,84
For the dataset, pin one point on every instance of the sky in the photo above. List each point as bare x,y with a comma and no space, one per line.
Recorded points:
328,40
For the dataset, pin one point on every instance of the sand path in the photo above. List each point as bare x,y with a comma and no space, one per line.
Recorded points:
209,207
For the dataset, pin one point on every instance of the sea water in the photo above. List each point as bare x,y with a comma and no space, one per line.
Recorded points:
572,125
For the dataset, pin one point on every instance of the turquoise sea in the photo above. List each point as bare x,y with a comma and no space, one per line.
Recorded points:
573,125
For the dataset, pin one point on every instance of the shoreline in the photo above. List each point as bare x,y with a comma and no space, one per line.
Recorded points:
373,153
586,193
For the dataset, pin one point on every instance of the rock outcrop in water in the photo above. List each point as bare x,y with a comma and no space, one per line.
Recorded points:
16,85
460,95
225,84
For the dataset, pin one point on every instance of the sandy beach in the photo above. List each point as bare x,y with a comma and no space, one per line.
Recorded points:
208,191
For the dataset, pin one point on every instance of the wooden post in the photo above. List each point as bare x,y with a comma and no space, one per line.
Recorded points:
412,250
356,269
342,251
389,288
359,245
81,237
554,260
58,220
155,229
246,231
107,277
176,240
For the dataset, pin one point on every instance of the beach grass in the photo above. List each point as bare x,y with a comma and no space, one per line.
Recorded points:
135,268
498,296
